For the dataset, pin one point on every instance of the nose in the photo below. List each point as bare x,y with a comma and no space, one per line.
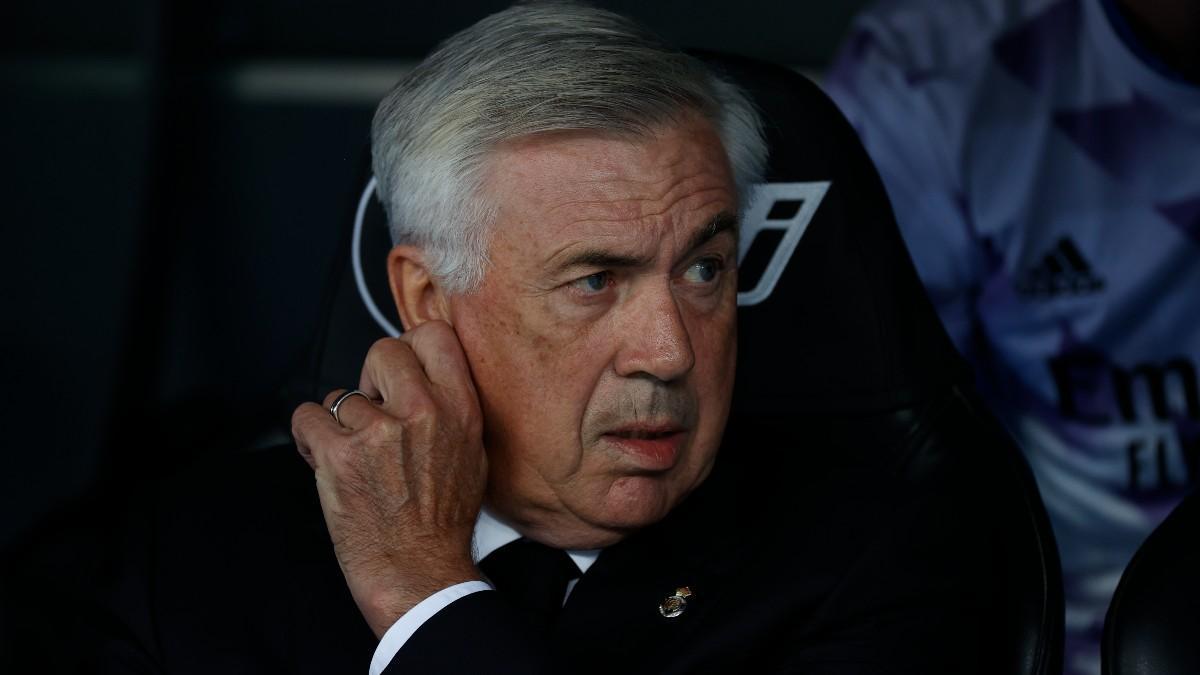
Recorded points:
654,338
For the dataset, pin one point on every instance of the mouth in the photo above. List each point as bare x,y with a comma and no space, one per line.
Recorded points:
652,447
644,434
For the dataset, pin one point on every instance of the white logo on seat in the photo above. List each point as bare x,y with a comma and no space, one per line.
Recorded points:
766,197
360,280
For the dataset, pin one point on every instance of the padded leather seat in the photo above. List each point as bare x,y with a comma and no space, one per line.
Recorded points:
1153,620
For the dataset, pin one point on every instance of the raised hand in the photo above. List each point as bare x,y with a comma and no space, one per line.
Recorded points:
401,478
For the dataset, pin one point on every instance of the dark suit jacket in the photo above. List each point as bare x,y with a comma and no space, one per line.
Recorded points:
817,546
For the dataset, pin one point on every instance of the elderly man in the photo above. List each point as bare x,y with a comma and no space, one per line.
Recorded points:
566,274
527,480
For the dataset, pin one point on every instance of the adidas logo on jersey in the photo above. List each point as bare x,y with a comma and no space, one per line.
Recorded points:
1061,270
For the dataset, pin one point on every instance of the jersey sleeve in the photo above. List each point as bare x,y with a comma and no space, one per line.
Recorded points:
904,114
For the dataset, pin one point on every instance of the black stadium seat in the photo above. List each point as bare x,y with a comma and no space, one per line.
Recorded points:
840,349
1154,618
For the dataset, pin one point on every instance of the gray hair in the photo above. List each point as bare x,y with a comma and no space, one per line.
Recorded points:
531,69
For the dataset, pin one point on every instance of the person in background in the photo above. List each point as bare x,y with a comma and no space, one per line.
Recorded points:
1043,159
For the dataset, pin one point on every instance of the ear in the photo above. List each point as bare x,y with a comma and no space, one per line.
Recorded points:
419,297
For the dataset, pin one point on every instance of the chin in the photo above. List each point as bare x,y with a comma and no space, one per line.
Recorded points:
633,502
630,504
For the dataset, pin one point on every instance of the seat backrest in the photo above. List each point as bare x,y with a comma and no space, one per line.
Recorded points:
838,341
1154,617
849,347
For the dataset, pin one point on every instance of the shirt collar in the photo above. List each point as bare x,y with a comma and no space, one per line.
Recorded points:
1117,56
491,533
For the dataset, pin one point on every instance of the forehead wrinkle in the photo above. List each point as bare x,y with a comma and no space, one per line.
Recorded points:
571,244
683,240
633,241
660,194
632,209
622,248
605,191
630,201
656,224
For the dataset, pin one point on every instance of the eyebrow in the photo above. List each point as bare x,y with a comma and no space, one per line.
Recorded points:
597,257
722,222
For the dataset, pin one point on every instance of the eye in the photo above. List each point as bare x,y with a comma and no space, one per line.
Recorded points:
703,271
592,283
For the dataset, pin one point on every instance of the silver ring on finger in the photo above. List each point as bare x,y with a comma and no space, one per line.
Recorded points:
333,409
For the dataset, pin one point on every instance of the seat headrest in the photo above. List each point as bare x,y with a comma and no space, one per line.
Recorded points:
849,326
832,316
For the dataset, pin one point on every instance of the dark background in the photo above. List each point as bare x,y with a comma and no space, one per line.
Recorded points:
178,182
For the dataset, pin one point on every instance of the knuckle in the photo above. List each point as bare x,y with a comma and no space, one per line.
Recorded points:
298,416
384,346
421,409
434,335
331,397
438,329
341,459
302,416
385,428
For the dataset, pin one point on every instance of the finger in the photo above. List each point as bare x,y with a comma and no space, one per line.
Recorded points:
314,431
393,375
354,412
439,351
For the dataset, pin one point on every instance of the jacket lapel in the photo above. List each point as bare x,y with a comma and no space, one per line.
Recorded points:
645,596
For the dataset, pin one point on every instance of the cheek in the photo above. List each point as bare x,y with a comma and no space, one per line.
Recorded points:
558,365
566,367
714,342
535,377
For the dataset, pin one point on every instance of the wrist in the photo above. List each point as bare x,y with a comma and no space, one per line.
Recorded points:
386,602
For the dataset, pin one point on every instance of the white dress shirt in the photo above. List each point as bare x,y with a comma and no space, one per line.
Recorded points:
490,534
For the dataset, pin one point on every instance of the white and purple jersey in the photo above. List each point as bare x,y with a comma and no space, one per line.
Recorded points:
1045,172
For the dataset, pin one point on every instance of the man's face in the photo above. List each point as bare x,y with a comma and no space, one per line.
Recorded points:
603,338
